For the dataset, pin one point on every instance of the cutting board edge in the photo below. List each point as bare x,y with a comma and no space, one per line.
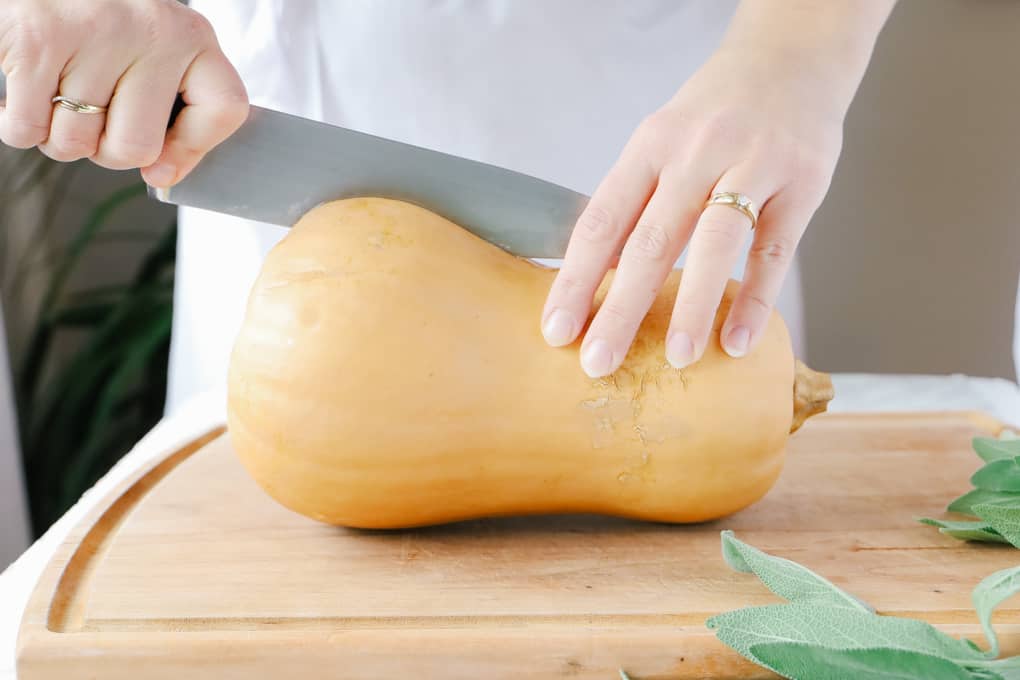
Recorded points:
661,652
71,558
39,646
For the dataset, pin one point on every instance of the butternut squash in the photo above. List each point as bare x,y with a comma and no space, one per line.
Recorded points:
390,372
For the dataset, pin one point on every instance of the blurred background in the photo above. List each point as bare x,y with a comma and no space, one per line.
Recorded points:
910,266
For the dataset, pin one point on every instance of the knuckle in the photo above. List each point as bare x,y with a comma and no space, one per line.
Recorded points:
651,129
569,285
773,252
54,153
165,21
195,27
691,315
757,302
613,317
722,129
230,112
649,242
597,225
150,20
814,169
721,233
688,309
653,139
30,32
72,147
127,152
21,133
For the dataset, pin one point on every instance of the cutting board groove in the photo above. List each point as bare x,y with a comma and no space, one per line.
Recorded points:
66,614
190,569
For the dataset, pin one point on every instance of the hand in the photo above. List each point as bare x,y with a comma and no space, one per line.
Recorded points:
735,126
133,56
762,118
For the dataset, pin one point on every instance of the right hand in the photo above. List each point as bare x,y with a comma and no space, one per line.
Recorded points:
133,56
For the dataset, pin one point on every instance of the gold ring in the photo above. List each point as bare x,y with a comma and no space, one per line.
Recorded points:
76,106
738,201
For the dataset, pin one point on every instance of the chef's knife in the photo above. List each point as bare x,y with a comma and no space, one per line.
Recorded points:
277,167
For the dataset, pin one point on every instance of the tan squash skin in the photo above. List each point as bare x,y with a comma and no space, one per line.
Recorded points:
391,372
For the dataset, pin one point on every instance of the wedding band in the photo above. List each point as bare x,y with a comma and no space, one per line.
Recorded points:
737,201
76,106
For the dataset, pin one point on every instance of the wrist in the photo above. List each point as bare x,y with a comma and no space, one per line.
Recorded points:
822,45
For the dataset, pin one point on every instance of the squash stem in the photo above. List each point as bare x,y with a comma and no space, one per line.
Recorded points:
812,392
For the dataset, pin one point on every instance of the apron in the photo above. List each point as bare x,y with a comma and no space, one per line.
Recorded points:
551,89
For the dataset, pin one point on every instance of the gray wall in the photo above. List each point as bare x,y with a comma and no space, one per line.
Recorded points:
911,263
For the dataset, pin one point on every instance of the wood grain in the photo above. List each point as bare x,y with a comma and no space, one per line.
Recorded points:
190,569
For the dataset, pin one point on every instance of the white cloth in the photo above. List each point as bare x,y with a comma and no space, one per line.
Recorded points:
999,398
551,89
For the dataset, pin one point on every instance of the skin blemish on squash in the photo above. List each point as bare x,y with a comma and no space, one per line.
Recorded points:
605,414
603,434
637,470
386,237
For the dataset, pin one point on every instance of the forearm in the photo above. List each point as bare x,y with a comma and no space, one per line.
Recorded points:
829,40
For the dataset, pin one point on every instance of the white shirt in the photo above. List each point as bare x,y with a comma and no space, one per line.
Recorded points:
551,89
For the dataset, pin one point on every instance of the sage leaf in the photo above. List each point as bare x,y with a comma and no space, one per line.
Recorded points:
808,662
1006,669
996,449
965,503
1003,518
835,628
785,578
998,475
967,531
989,594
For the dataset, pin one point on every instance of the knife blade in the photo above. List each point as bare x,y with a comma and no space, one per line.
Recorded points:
277,167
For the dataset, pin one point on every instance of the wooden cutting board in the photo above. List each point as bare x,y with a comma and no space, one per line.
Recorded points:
190,571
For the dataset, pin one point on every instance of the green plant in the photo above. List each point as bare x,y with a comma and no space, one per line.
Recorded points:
824,632
995,499
79,412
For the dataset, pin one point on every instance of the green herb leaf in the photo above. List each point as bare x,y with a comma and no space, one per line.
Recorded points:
967,531
1005,519
835,628
816,636
1000,669
999,475
965,503
996,449
785,578
808,662
989,594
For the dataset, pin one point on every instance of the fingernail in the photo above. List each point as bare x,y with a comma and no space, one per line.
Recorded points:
737,341
558,329
597,359
161,175
680,350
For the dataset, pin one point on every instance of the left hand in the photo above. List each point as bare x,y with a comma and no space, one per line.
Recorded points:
767,129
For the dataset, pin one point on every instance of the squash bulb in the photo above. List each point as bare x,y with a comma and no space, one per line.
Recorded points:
391,372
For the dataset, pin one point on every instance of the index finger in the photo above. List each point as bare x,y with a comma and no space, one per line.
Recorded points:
595,243
216,104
